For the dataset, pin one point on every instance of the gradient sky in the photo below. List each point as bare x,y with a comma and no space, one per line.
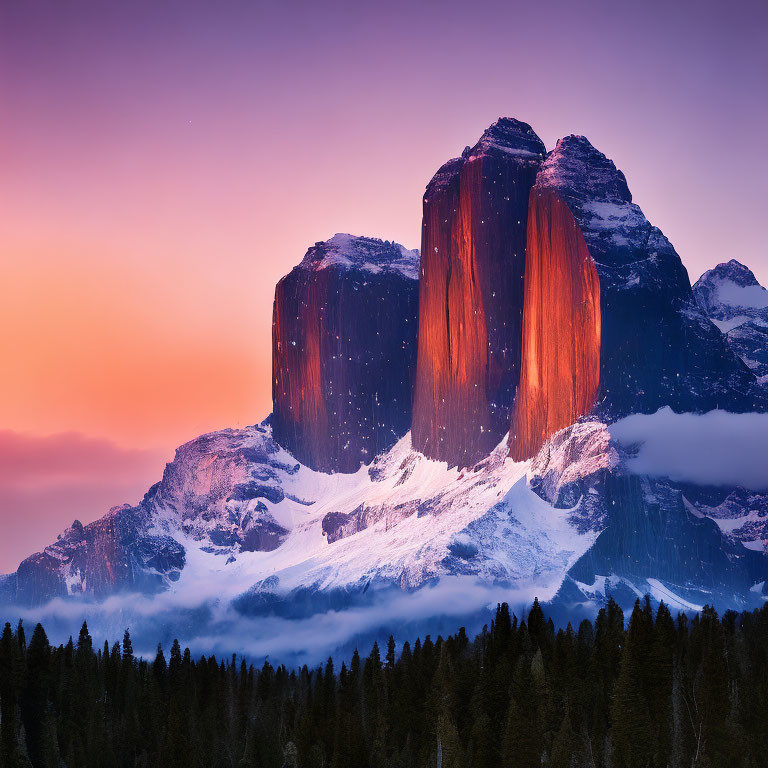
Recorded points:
164,162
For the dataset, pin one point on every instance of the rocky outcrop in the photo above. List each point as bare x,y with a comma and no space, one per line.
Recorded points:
605,288
737,304
339,525
222,490
114,554
655,542
344,352
471,293
656,537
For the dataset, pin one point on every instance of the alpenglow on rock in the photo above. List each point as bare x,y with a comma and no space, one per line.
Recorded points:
344,351
117,553
471,292
610,325
737,304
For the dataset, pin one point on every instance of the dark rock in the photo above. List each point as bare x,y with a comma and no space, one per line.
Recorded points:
344,349
339,525
246,491
263,536
651,534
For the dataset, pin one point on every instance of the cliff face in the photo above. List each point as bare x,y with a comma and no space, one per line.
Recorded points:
656,347
471,293
344,352
561,326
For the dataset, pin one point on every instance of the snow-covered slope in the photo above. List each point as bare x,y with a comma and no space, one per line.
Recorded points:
249,550
405,520
243,508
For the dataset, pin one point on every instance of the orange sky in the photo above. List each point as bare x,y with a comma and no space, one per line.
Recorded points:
163,165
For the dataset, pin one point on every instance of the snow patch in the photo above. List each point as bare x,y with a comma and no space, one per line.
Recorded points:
662,592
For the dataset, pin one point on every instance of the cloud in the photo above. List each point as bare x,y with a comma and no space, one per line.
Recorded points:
715,448
47,482
207,623
68,457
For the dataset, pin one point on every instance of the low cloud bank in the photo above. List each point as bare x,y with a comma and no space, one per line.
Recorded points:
715,448
214,626
67,457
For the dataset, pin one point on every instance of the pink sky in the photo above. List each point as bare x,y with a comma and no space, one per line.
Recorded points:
163,164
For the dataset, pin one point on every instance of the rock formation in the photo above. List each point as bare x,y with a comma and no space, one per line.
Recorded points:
471,292
610,325
115,553
344,351
545,296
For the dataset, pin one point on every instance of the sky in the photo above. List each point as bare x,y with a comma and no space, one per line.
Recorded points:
164,162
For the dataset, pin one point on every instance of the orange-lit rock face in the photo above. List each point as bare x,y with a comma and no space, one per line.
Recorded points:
561,327
471,294
297,382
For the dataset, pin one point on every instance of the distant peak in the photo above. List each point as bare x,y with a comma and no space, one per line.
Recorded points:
369,254
576,167
731,289
731,270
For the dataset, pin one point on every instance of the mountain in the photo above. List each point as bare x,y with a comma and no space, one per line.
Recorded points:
344,351
471,294
610,324
237,498
547,337
737,304
657,536
118,552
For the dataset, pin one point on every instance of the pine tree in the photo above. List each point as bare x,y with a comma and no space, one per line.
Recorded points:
522,743
712,687
659,685
564,746
10,657
630,718
34,700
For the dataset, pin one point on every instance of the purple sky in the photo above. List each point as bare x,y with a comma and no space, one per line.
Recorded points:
166,161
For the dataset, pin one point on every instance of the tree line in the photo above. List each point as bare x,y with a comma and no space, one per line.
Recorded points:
658,693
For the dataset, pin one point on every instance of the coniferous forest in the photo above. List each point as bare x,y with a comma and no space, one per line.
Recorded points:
663,692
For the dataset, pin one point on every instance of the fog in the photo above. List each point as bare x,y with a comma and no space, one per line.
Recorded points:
207,623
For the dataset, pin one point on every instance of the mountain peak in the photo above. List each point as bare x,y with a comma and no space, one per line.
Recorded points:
732,270
470,294
512,136
579,170
369,254
506,135
733,299
731,295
